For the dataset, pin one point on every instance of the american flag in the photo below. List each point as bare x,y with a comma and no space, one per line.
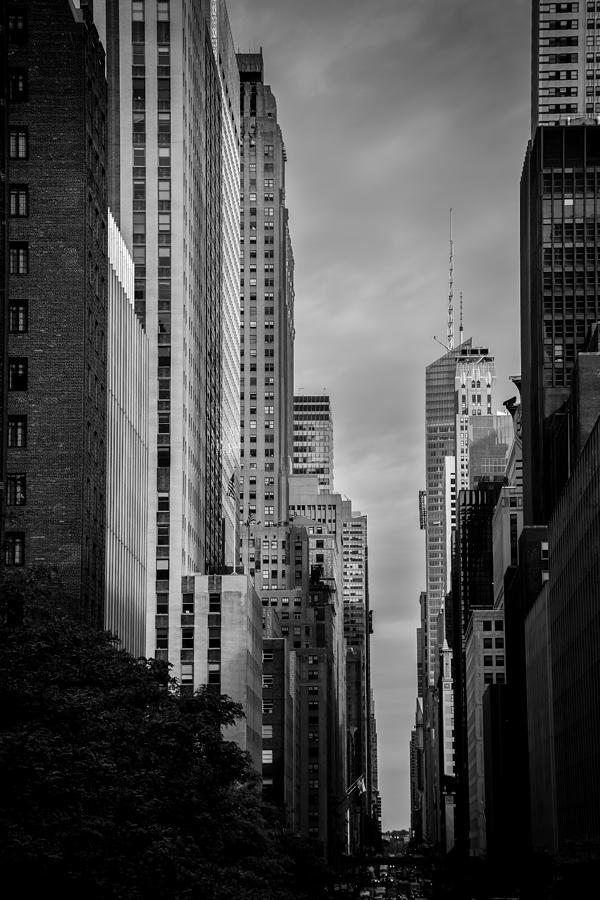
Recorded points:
231,491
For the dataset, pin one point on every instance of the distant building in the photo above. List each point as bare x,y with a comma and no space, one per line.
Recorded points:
416,776
484,665
54,324
266,304
357,630
127,381
313,438
221,625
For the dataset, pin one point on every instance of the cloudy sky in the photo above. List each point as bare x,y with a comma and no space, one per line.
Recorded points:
392,112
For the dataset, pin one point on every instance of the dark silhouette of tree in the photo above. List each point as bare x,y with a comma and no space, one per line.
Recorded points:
115,784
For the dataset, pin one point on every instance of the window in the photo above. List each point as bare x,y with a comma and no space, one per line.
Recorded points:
267,731
18,255
488,661
17,316
17,26
162,639
267,757
267,681
17,373
17,431
17,86
19,205
15,490
18,144
267,707
15,549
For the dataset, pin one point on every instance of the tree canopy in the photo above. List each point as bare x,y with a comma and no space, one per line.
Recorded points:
115,783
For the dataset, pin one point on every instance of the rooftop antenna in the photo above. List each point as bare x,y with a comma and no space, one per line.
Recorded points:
460,326
450,339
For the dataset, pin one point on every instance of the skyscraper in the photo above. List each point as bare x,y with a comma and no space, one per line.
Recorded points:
459,384
565,77
167,124
560,248
266,304
54,330
313,438
224,51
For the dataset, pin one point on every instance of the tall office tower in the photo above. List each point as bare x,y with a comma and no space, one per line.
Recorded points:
229,81
375,795
266,304
55,326
166,125
560,249
416,775
126,454
313,438
446,755
565,77
461,383
357,631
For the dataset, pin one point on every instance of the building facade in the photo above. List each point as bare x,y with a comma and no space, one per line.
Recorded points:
54,411
565,78
313,438
166,125
484,665
127,380
560,247
266,304
222,647
224,52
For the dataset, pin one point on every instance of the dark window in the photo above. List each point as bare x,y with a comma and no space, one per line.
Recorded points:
19,200
163,33
18,91
15,490
17,26
18,254
15,549
17,373
17,431
162,639
137,33
17,316
187,638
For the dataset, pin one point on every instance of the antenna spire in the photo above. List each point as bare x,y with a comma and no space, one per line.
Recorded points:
460,327
450,340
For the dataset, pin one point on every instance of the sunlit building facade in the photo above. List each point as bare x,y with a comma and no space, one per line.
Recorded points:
313,438
126,454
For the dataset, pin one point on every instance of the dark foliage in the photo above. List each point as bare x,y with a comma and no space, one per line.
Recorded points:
115,785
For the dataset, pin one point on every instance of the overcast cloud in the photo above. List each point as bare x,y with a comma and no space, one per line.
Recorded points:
392,112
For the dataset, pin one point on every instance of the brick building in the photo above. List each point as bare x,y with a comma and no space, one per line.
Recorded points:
55,325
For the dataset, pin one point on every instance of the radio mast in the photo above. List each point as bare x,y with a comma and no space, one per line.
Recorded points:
450,337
